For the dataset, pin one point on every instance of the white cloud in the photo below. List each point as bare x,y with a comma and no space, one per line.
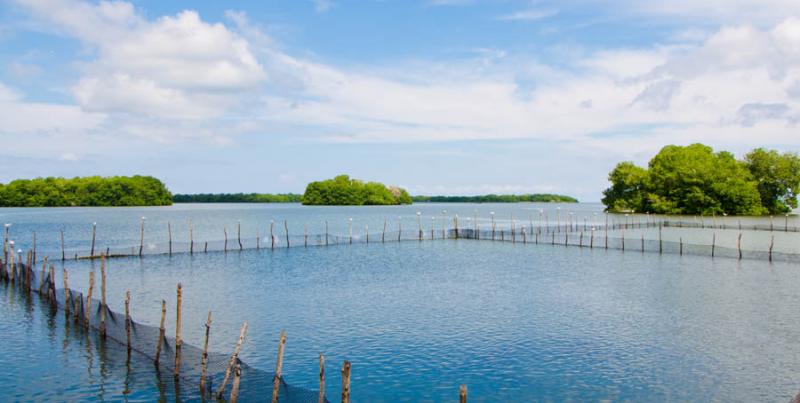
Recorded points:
175,66
528,15
323,6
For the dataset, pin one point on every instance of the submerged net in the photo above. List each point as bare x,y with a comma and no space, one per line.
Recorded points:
128,341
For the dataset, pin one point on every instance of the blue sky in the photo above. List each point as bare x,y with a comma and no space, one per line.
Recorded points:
438,96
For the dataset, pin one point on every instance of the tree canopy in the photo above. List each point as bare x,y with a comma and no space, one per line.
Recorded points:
492,198
695,180
86,191
343,191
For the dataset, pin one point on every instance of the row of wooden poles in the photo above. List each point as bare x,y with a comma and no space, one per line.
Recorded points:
536,232
233,371
572,225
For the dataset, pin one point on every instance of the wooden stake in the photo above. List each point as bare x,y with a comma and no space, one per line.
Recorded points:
276,382
51,293
204,363
178,341
321,379
681,245
771,244
286,228
65,275
88,311
258,239
239,234
326,232
161,331
305,235
383,234
33,260
103,295
462,394
272,233
169,233
141,239
660,241
225,231
128,318
191,238
739,245
233,360
346,382
713,243
94,236
63,252
237,375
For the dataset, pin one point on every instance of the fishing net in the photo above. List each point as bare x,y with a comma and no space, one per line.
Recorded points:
130,343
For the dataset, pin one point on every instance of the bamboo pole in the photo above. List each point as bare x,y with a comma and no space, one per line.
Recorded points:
94,237
739,245
88,311
103,295
462,394
286,229
591,238
713,243
272,233
161,331
128,318
346,382
237,375
52,289
178,341
276,382
65,275
680,240
366,232
233,360
204,362
239,234
63,253
771,244
169,233
383,234
141,239
321,379
191,238
225,231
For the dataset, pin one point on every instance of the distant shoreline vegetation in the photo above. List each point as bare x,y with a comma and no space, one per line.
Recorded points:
696,180
237,198
344,191
492,198
90,191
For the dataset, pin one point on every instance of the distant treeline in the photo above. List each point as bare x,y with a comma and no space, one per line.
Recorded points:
492,198
237,198
86,191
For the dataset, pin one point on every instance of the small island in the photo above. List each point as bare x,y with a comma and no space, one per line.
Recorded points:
90,191
344,191
696,180
493,198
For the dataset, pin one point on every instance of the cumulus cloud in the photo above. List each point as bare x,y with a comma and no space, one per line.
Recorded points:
175,66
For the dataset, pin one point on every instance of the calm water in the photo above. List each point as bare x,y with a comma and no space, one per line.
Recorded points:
416,319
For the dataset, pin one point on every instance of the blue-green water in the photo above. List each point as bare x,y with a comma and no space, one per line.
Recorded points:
416,319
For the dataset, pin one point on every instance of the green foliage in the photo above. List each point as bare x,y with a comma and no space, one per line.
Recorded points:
778,178
87,191
237,198
492,198
696,180
343,191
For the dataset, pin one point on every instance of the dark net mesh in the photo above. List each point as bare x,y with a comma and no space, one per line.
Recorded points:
127,343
